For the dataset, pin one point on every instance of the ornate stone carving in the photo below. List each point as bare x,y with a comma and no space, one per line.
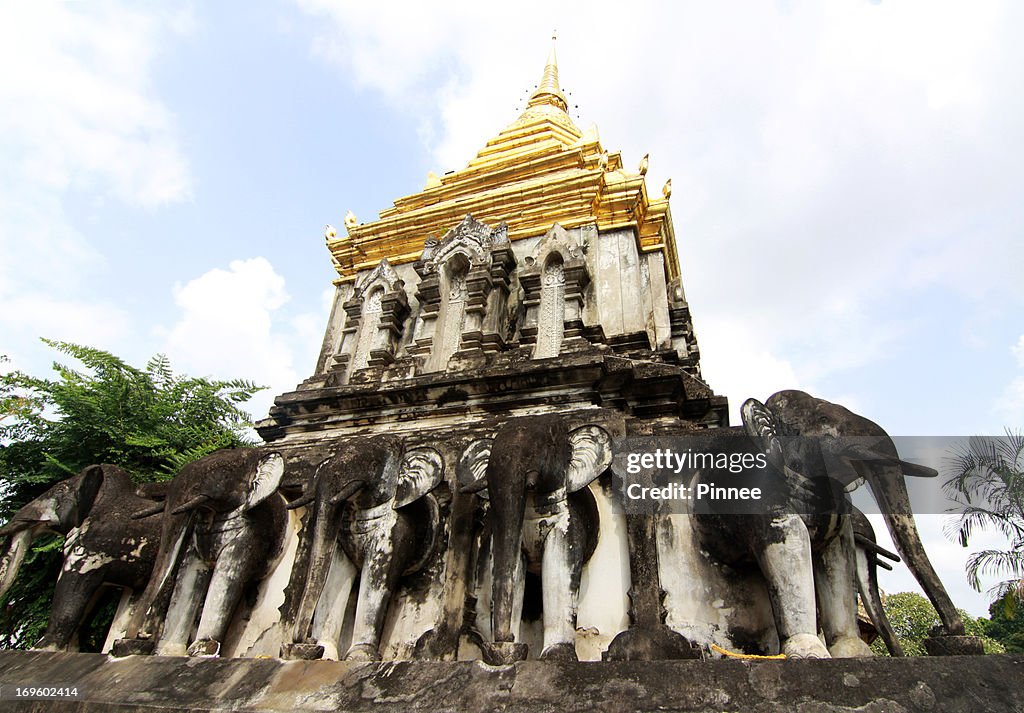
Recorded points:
373,330
463,293
554,281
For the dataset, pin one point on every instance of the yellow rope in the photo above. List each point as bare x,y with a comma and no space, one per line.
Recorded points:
734,655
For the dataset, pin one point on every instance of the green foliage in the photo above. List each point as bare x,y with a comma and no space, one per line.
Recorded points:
1007,622
988,483
913,617
148,421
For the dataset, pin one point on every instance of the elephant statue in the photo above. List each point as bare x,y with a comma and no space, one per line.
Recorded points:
869,558
808,554
542,519
223,528
103,544
372,513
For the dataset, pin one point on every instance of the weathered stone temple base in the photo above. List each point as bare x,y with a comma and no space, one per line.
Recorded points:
151,684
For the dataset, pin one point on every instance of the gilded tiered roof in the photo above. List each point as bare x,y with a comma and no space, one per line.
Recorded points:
542,169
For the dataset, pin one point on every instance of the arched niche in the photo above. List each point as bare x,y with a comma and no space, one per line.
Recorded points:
375,315
463,295
553,282
551,317
452,314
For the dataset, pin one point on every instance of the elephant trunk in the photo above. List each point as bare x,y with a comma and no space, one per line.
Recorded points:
507,491
890,491
173,536
325,538
12,559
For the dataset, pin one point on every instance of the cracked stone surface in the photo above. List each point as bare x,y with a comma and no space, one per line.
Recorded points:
140,684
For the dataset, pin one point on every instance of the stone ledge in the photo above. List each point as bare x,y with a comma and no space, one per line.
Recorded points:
151,684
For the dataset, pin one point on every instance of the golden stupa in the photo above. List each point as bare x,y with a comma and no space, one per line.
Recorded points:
541,170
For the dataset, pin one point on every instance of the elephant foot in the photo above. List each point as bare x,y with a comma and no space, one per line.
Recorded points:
132,647
302,651
805,646
954,646
849,647
502,653
560,652
205,648
363,652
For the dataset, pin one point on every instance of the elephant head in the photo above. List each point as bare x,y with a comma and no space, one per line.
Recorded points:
360,498
226,483
103,544
59,510
536,459
854,447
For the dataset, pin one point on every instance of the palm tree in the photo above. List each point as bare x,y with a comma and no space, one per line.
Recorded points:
988,484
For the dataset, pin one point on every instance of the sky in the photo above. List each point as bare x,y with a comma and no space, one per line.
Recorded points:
846,181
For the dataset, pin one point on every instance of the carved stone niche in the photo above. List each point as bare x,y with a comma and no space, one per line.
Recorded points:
373,327
463,295
553,282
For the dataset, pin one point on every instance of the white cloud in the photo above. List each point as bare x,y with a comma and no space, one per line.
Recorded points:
1009,406
233,325
78,118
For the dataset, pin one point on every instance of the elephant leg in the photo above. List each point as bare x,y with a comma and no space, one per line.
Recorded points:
560,577
71,600
834,582
330,610
189,592
785,559
236,565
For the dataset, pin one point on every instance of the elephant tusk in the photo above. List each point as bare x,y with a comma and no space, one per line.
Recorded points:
153,510
347,492
190,505
884,565
869,544
11,562
304,499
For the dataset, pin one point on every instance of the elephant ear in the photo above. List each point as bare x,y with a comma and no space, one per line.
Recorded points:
471,470
591,456
421,471
764,428
88,488
269,471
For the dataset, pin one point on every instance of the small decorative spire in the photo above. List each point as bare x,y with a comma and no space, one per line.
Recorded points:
433,180
644,163
666,190
602,161
350,220
329,232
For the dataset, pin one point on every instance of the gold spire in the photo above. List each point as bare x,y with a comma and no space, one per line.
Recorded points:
547,101
548,91
540,170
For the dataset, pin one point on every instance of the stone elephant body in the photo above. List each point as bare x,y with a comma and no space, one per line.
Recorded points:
540,518
802,536
104,544
222,530
373,519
